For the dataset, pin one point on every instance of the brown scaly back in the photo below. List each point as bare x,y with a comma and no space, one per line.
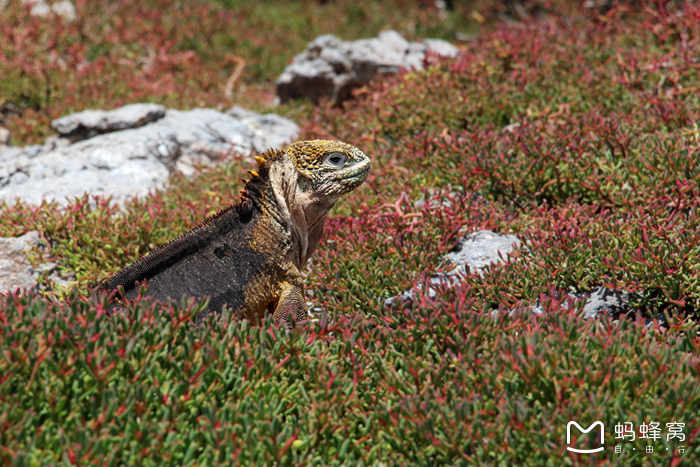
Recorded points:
256,190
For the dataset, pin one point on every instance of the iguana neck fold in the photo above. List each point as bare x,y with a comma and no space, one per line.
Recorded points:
302,213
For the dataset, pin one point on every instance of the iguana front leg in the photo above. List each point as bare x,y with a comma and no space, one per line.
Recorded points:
290,308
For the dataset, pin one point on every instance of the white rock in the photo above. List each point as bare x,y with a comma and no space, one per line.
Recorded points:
15,271
332,68
4,137
123,163
62,8
92,122
480,249
472,254
269,130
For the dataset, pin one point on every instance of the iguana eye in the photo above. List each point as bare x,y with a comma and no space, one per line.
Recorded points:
335,159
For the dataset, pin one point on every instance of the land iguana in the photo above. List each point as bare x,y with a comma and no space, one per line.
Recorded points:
248,256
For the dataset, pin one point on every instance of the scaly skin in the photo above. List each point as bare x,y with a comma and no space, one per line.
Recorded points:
249,255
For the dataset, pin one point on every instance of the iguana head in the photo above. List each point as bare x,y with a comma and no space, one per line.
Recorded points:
328,168
307,178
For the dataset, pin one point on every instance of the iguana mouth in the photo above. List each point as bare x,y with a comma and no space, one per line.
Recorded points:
351,181
358,173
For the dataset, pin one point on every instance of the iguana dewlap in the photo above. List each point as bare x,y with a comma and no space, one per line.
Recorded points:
249,255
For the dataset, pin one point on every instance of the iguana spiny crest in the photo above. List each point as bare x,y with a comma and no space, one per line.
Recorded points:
248,256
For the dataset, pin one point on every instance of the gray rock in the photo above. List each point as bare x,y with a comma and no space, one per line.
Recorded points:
15,271
89,123
240,113
599,300
269,130
441,48
476,251
331,68
472,254
133,161
4,137
604,300
62,8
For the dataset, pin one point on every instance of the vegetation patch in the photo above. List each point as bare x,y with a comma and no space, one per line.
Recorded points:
577,131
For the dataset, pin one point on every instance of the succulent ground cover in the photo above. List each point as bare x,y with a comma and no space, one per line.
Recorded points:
179,54
577,130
